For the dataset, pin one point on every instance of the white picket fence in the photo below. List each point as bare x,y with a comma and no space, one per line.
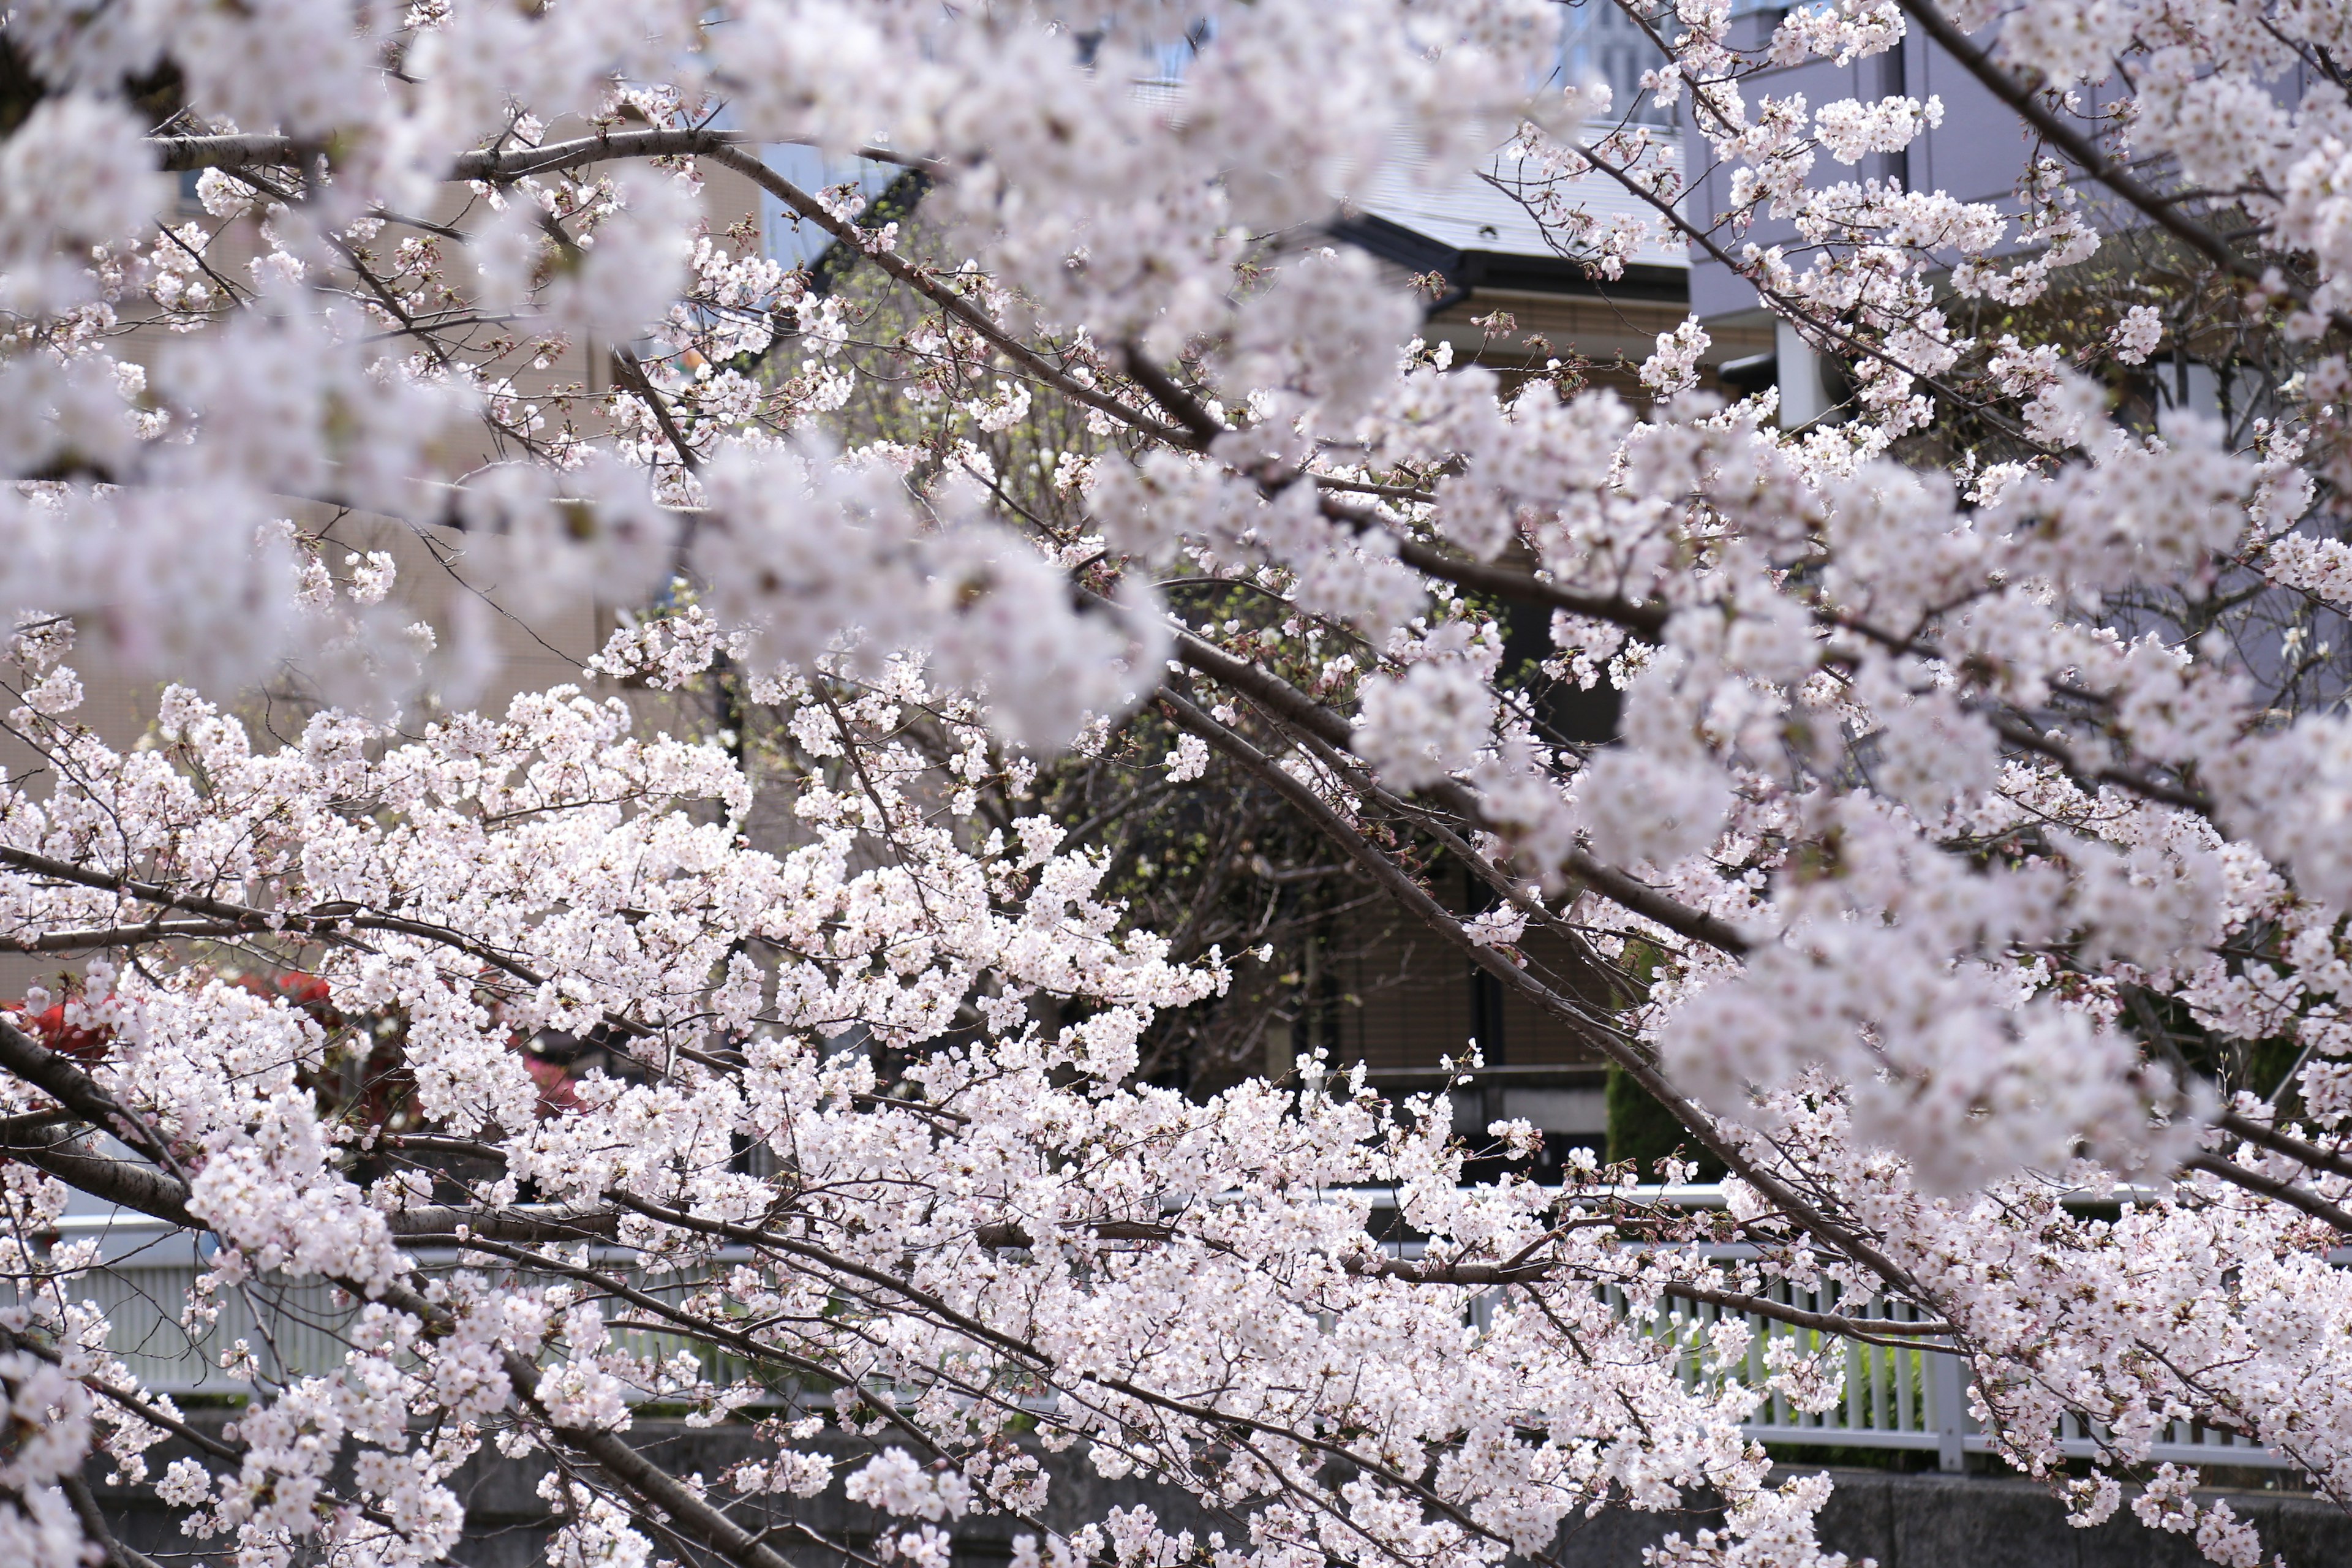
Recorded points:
1906,1396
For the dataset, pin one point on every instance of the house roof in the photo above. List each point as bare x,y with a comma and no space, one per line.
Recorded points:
1472,230
1471,212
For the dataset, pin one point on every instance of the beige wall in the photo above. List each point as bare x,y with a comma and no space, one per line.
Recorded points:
544,651
433,570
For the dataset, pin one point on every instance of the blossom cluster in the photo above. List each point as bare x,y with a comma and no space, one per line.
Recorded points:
1970,829
835,1103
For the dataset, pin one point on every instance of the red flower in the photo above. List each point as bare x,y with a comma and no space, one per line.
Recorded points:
51,1029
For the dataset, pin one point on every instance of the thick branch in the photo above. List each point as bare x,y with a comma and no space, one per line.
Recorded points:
631,374
1624,888
183,155
1269,692
2286,1144
93,1525
1646,620
1827,1322
687,1513
186,154
1188,410
126,1183
2026,738
156,929
945,298
2270,1187
56,1077
1012,1235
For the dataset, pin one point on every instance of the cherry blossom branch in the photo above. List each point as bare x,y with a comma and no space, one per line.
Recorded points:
688,1514
250,920
632,374
1417,495
463,1226
165,1197
195,1437
54,1076
2165,212
2287,1193
161,1420
1044,1364
1484,1275
1187,411
187,154
93,1524
1647,621
1622,887
1796,310
1286,703
2278,1143
963,1323
671,1318
126,1183
939,294
1867,1329
1599,1032
2021,734
157,929
246,919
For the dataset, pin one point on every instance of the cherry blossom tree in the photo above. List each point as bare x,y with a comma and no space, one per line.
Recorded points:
1975,840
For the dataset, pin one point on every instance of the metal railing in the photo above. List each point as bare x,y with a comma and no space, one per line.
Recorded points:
1905,1396
289,1329
1897,1396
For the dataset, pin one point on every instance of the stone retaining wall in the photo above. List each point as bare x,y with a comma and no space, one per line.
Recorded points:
1918,1520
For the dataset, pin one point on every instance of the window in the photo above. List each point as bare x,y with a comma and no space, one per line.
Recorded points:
1601,43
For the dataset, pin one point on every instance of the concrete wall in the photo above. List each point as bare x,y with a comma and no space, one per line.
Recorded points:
1920,1521
1977,154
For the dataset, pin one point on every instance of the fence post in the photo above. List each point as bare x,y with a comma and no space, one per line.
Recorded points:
1947,1399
